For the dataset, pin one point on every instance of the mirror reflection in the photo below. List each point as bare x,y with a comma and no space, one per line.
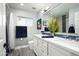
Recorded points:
66,16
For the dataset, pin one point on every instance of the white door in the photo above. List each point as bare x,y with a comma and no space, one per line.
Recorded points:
2,29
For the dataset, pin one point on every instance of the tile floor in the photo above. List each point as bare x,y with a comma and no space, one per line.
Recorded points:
22,52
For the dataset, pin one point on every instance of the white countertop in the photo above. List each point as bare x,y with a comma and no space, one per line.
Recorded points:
73,45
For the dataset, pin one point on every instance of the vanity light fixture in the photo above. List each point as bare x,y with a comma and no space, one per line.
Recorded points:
44,10
47,8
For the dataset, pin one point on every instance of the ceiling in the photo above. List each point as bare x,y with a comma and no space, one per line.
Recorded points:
55,8
62,9
29,6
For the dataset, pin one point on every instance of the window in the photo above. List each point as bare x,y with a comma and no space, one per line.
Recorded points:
24,21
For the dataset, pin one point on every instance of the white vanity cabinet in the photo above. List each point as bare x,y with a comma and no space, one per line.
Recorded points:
35,45
40,47
54,47
56,50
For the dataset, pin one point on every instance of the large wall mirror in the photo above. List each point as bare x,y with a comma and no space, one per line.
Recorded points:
68,15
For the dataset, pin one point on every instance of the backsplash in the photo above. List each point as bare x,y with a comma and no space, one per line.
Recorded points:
68,36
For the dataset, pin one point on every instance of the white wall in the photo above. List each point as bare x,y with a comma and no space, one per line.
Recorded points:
2,28
77,22
72,15
2,21
10,27
16,13
11,32
10,41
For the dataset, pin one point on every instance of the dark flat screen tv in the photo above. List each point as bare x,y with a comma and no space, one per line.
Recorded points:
21,31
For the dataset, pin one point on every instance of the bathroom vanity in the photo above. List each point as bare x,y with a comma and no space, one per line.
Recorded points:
56,46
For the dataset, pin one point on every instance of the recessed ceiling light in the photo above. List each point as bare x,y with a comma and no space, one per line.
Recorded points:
42,11
34,8
21,4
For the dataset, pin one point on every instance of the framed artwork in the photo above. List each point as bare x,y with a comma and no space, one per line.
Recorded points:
39,24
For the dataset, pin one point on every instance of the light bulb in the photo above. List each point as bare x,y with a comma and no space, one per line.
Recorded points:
21,4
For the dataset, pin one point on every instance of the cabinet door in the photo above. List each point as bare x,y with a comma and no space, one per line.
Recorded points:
55,50
42,47
39,47
35,45
52,50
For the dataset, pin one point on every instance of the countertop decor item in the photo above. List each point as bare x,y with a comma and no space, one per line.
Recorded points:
53,25
71,29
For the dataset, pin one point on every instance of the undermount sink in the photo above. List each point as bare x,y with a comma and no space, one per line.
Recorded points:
47,36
